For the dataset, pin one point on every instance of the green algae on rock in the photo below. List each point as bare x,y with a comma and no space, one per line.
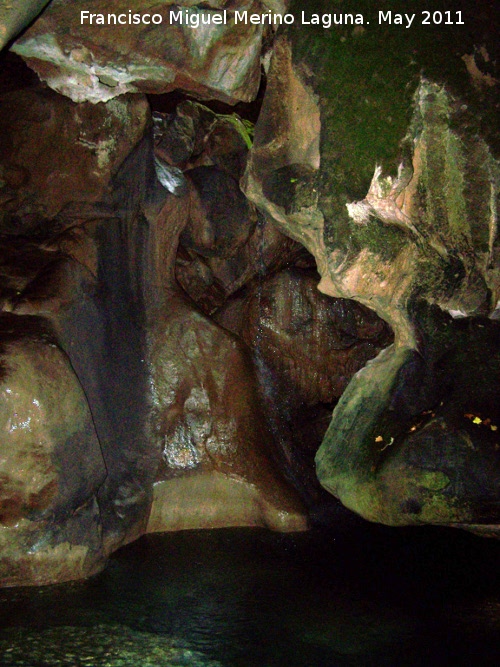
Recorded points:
14,16
397,141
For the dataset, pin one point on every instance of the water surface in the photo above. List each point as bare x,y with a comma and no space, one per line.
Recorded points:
251,598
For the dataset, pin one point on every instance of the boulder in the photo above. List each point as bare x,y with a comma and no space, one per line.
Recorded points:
96,62
51,463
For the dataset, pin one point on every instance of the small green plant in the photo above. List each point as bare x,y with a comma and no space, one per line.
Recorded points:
244,127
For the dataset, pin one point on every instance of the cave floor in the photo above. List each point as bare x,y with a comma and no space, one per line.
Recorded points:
251,598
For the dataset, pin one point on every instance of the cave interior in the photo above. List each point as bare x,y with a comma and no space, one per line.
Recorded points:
250,282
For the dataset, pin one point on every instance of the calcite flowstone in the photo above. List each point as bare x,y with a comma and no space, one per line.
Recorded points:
382,161
216,465
51,466
217,455
93,62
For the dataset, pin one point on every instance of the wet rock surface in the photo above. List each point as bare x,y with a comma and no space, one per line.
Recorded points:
213,432
311,342
396,197
51,462
173,395
159,272
306,347
95,63
233,264
57,275
207,418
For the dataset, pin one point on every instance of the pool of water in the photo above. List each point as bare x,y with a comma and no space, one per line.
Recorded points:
251,598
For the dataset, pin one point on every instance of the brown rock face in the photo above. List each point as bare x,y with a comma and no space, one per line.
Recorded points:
54,152
225,244
213,435
306,348
51,463
314,344
220,222
167,361
230,262
102,273
170,49
216,454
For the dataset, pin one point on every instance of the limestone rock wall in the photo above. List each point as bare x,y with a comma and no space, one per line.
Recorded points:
51,462
64,271
383,161
167,359
96,62
171,366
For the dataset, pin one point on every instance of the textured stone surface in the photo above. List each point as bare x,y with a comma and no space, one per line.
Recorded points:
43,277
75,271
212,432
306,347
221,221
51,462
103,275
314,344
225,244
14,16
98,62
207,418
390,178
230,261
54,152
202,363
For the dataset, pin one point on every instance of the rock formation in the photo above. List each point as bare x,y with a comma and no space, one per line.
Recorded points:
15,16
171,49
382,161
52,466
167,361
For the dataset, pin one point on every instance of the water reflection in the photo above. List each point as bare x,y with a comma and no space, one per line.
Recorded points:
250,598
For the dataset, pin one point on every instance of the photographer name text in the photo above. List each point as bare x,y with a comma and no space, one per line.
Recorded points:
198,18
